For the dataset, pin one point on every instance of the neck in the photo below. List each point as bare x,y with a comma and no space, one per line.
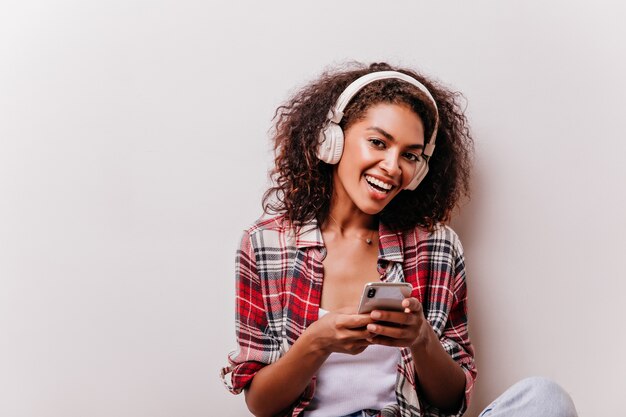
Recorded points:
345,213
352,220
359,226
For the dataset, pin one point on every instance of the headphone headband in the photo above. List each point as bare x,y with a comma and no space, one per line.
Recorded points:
336,113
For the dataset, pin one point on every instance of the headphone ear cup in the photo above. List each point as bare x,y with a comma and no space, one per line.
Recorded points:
330,145
420,172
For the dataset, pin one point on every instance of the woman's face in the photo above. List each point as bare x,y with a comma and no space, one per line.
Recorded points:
379,158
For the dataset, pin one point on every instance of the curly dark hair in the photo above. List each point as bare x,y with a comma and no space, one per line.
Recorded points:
303,185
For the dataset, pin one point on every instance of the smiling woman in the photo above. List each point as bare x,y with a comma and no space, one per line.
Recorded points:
304,183
370,162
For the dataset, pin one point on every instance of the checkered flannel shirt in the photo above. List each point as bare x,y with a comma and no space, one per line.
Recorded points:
279,276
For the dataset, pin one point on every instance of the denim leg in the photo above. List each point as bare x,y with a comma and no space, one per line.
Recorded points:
362,413
355,414
532,397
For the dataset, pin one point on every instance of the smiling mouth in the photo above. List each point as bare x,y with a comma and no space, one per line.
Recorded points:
378,185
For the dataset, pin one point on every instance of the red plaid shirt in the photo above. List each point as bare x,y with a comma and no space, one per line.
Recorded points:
279,285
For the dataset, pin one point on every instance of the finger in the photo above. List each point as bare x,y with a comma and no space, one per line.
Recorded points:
397,317
384,341
393,332
353,321
412,304
363,334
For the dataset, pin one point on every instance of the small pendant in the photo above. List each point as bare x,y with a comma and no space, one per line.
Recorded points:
368,241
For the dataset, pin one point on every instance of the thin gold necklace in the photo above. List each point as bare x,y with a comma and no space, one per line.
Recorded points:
367,240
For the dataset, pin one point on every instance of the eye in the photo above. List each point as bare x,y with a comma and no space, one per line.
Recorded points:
412,157
377,143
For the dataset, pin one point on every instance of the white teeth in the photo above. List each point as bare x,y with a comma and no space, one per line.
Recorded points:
378,183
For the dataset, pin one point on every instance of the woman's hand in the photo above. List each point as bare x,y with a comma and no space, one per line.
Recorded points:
285,380
441,380
408,328
341,331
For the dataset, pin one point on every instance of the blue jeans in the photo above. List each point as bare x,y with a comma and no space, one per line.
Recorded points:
363,413
531,397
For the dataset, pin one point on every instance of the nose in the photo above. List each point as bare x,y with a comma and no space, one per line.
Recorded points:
390,164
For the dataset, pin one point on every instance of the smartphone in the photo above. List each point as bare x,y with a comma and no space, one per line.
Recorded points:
384,296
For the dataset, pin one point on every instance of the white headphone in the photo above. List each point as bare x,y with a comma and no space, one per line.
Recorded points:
331,137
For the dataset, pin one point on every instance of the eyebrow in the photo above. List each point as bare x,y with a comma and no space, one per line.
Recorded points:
390,137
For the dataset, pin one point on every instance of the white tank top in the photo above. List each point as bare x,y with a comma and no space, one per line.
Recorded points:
348,383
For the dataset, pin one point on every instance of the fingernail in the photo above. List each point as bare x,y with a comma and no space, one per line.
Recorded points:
371,328
375,314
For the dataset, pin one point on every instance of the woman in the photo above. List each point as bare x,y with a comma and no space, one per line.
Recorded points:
370,162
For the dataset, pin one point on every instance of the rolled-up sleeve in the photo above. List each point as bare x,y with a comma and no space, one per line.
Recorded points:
456,342
455,336
254,344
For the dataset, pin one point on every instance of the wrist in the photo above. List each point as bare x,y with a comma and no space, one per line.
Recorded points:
313,344
426,339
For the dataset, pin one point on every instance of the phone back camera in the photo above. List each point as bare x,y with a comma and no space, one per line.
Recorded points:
371,293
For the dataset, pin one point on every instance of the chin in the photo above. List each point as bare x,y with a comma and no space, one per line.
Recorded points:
372,210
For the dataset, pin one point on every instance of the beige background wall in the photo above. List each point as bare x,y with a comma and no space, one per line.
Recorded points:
133,151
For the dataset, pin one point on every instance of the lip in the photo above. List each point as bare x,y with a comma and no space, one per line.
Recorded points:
376,194
386,180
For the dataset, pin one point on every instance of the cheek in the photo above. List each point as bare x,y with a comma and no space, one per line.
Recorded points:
356,156
408,170
363,152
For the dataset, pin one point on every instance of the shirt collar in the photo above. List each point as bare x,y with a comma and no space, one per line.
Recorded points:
391,245
309,235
